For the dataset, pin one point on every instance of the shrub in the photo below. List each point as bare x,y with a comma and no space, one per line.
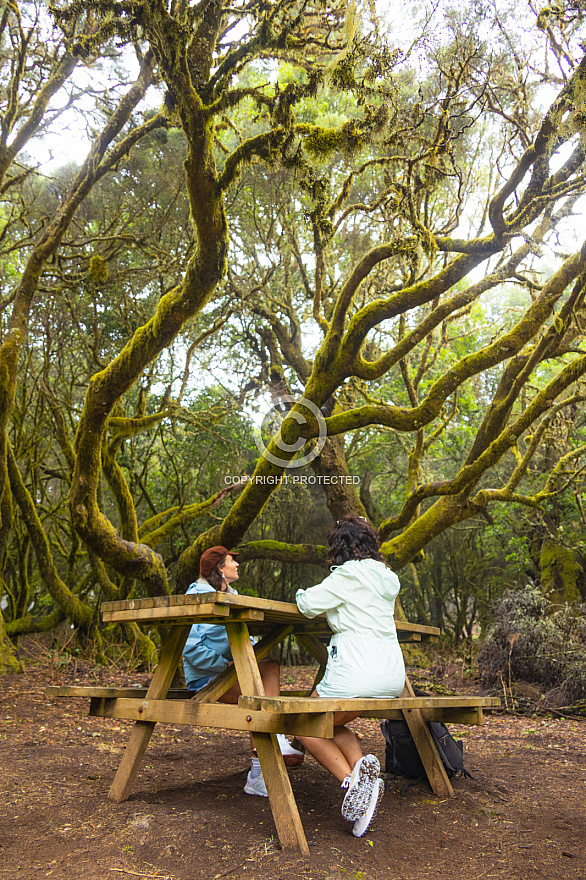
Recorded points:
536,642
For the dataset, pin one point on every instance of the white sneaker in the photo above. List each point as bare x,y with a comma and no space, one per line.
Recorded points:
362,824
255,785
360,785
291,756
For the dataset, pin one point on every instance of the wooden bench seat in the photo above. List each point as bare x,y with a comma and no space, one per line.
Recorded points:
131,703
54,691
454,709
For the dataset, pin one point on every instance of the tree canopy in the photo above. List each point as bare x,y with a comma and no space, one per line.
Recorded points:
373,221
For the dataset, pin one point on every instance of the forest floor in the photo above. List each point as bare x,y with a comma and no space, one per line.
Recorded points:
522,817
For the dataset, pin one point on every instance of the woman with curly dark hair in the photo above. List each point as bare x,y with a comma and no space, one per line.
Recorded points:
364,656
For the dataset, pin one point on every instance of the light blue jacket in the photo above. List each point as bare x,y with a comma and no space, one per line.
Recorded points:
207,649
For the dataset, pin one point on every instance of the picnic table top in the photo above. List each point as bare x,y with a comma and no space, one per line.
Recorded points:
217,607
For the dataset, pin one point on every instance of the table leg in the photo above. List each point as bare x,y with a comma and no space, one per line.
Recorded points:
142,730
434,768
281,798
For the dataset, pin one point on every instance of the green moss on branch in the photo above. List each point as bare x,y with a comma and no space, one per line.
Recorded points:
280,551
152,533
79,613
28,624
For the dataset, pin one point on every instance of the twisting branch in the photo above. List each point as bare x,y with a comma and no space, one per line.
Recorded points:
71,605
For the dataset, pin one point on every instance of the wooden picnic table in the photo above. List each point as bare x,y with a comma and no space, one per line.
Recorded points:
292,713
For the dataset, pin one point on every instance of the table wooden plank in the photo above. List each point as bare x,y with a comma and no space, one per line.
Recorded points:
186,599
220,715
208,613
258,624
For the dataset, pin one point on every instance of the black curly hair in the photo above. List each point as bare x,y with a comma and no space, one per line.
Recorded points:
353,538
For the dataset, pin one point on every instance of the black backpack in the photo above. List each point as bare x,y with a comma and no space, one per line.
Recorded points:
402,757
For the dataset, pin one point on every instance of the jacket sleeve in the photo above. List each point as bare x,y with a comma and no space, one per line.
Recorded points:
201,654
330,594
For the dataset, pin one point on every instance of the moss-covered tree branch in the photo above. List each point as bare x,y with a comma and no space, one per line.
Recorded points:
77,611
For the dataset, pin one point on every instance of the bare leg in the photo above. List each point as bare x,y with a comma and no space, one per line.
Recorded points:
270,672
339,754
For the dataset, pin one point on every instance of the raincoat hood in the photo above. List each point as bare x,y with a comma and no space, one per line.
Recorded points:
381,578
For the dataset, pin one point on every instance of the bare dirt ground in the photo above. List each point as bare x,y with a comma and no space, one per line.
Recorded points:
522,817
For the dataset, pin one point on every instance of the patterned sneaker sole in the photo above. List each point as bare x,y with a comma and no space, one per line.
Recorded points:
362,824
358,796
